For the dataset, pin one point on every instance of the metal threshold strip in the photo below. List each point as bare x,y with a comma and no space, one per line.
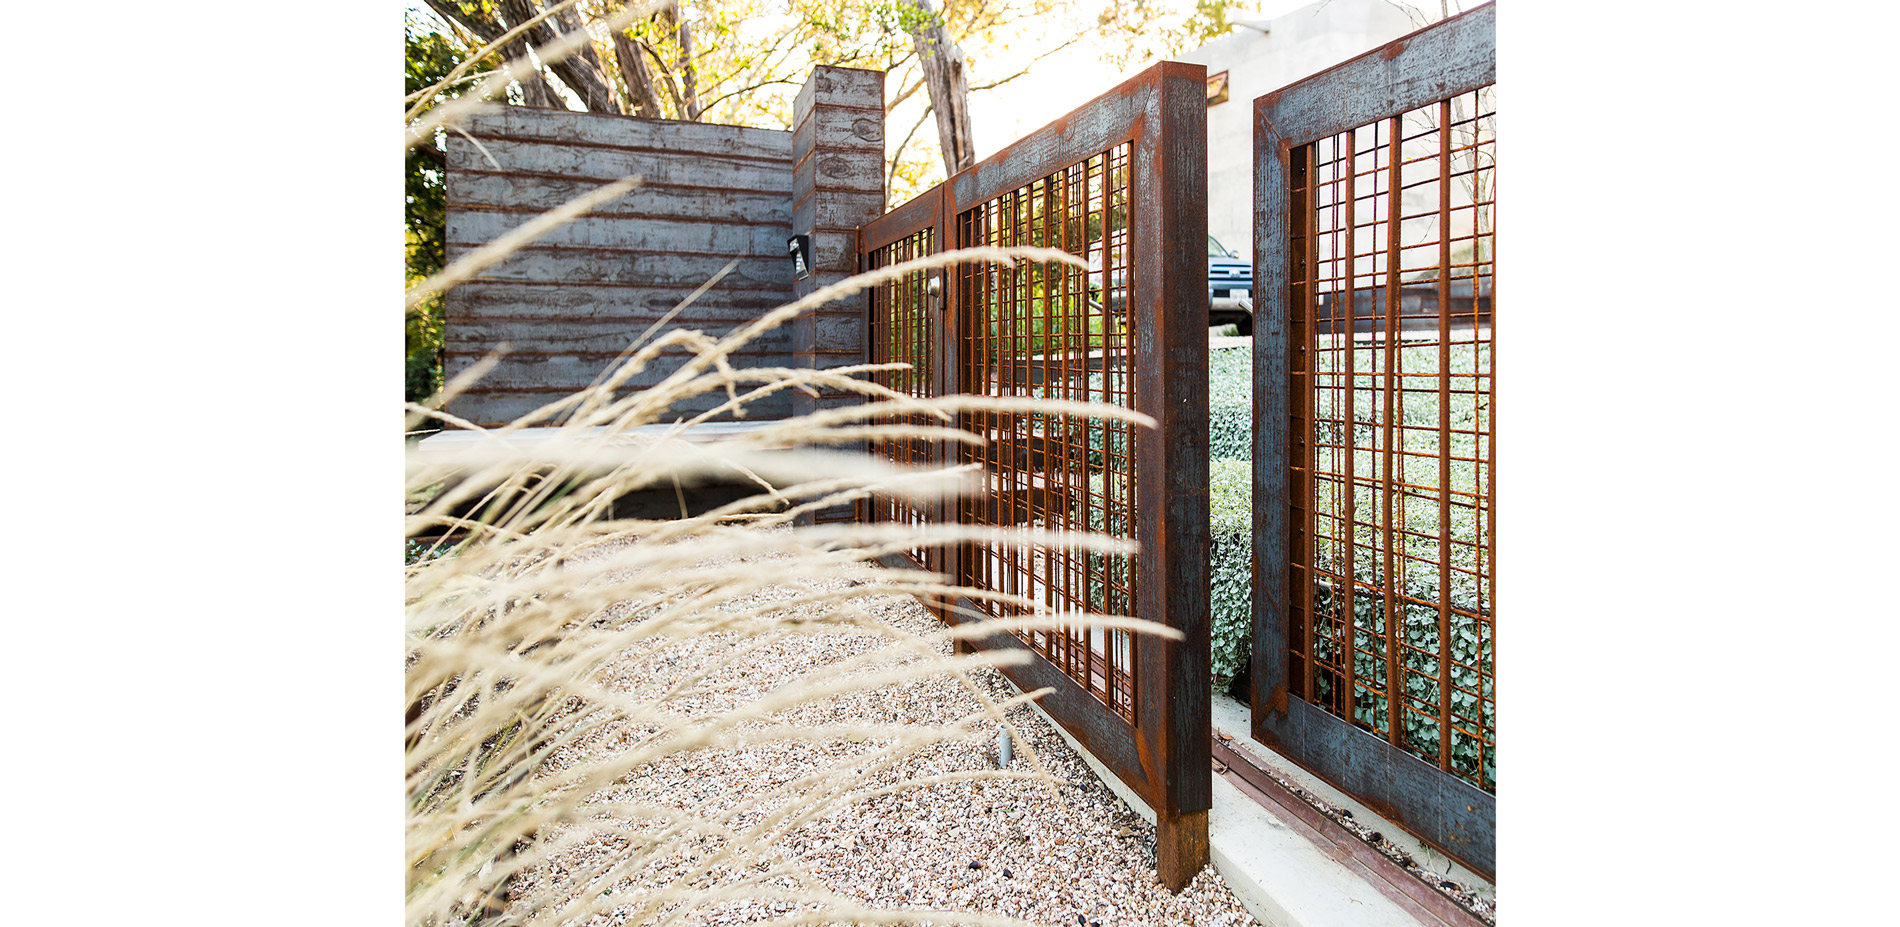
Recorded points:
1423,900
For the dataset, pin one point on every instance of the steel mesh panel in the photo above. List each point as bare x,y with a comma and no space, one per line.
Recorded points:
902,322
1391,366
1059,332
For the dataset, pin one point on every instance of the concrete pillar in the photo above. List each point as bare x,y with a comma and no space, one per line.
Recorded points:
837,186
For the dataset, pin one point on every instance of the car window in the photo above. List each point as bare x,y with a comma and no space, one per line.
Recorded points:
1216,250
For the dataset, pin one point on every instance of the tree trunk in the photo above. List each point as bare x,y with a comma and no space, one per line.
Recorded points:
639,79
688,72
534,91
943,63
580,70
588,66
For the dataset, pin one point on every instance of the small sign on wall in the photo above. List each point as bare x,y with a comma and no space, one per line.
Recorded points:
799,247
1217,88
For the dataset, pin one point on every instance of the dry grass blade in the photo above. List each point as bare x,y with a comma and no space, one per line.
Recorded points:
560,663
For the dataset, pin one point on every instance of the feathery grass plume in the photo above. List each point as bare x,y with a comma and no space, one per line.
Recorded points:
557,656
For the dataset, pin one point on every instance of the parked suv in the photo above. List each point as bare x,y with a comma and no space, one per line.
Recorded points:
1229,288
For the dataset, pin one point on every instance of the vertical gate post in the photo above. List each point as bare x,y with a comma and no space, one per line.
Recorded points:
837,186
1171,382
949,373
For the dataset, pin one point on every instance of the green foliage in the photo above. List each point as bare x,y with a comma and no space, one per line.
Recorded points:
1097,434
428,57
1230,565
1071,325
1417,614
1206,23
1230,440
1230,403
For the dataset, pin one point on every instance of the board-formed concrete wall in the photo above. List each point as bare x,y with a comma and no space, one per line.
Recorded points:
574,299
837,187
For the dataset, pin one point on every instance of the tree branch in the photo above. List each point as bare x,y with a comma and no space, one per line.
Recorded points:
725,96
890,173
672,92
901,97
998,83
639,80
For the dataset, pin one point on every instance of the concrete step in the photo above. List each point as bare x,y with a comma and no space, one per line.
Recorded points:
1284,871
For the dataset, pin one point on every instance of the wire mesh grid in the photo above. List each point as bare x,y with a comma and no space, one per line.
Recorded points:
902,325
1392,383
1051,331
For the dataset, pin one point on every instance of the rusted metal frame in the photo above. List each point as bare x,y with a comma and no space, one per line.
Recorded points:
1347,703
1448,58
946,381
1105,499
1303,370
1278,349
1491,442
871,509
1038,431
1114,367
928,338
1444,431
921,212
1066,447
960,329
1100,576
1394,464
1164,755
918,348
1441,809
1055,570
1452,57
1004,365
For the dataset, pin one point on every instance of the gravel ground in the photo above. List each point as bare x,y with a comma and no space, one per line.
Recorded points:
1074,855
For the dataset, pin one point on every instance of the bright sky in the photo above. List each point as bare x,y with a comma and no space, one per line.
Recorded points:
1057,84
1064,81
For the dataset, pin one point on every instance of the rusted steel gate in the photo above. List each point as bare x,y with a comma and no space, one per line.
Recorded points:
1374,607
1122,183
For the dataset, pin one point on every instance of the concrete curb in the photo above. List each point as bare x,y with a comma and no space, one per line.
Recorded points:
1280,877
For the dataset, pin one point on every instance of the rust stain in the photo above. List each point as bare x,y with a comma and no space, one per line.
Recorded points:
1276,702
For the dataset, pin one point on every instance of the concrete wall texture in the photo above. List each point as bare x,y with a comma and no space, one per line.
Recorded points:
569,303
1295,45
837,187
573,300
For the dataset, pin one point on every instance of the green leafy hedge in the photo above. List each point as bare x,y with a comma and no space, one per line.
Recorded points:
1230,403
1230,509
1230,518
1418,623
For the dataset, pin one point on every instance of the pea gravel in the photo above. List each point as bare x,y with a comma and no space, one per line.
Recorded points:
1073,856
